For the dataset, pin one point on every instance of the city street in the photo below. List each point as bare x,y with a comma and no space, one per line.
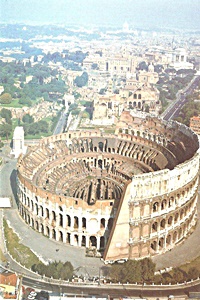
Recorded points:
174,109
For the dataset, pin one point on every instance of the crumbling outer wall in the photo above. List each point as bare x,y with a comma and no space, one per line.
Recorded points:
132,236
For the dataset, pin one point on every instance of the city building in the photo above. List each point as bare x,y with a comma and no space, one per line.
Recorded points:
195,124
18,142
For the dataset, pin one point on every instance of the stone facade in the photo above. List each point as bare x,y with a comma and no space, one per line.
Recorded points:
128,195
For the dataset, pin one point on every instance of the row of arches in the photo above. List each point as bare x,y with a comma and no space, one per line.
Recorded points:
171,221
75,239
65,220
167,242
178,199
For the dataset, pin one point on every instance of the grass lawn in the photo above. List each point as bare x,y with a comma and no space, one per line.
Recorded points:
2,257
14,103
19,252
37,136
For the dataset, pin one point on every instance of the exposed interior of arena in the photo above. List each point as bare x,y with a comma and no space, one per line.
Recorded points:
122,195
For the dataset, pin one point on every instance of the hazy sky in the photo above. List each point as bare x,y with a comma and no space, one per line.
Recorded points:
138,13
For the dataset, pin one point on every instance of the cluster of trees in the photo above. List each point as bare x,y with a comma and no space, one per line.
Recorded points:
82,80
169,87
76,57
57,270
6,128
142,271
5,98
133,271
38,128
189,110
34,128
177,275
35,88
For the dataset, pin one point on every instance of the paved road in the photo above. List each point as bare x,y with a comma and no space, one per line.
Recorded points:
61,123
124,290
174,109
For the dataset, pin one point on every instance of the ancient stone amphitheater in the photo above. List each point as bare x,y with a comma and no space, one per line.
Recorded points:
125,195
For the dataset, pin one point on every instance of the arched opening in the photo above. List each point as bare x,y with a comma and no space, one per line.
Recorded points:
42,228
83,242
36,208
41,210
102,242
154,245
37,225
100,146
175,235
163,204
110,223
75,222
68,241
154,226
60,236
168,239
53,234
102,225
93,241
47,213
68,220
170,220
61,220
176,217
155,207
84,223
161,242
162,224
54,215
47,231
100,164
75,240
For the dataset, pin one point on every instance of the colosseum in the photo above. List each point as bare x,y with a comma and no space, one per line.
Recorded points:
125,195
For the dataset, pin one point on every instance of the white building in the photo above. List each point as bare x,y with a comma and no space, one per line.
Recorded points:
18,142
1,89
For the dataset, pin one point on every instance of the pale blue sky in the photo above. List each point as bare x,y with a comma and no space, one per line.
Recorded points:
138,13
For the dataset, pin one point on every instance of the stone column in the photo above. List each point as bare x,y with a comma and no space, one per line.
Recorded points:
87,241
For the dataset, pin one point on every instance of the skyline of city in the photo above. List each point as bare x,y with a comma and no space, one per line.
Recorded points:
147,14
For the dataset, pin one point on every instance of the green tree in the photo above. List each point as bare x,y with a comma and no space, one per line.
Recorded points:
5,130
143,66
178,275
27,119
6,114
193,273
5,98
25,102
94,66
147,269
82,80
76,112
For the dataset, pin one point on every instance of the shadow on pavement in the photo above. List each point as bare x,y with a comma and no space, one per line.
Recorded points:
13,184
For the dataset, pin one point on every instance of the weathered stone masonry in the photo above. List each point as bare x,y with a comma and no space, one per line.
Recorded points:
130,194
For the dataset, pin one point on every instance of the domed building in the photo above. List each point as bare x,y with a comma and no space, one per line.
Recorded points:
126,195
